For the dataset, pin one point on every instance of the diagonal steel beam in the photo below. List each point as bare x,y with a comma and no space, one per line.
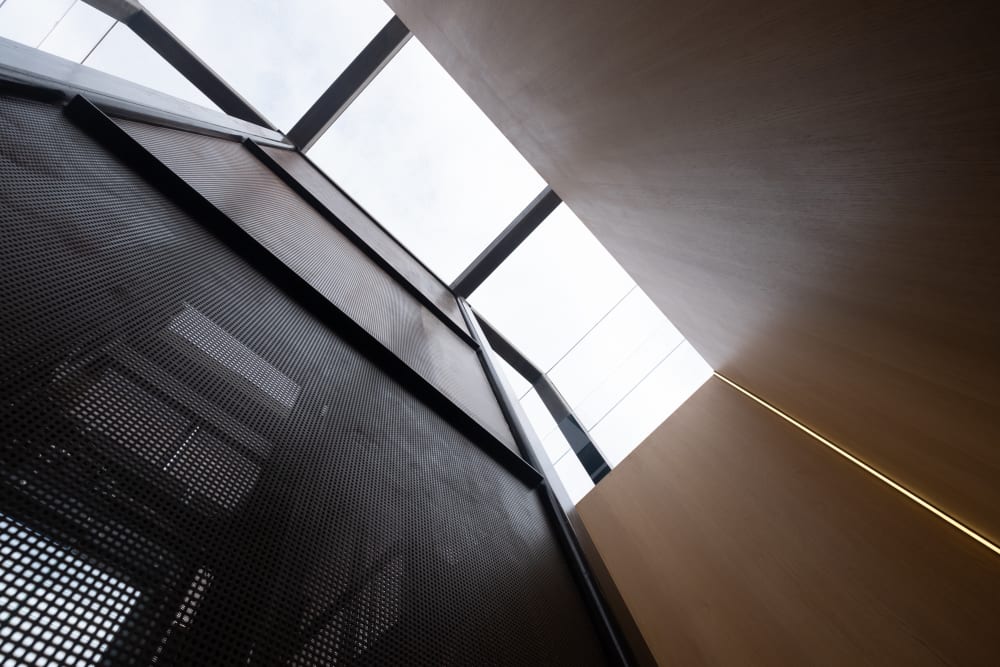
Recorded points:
504,244
569,424
314,122
181,58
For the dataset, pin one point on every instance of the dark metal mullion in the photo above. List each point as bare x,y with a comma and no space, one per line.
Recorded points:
508,352
572,429
569,424
504,244
193,68
324,111
556,502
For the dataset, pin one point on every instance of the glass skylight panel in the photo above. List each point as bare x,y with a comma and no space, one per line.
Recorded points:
633,369
30,21
517,383
556,445
552,289
614,356
538,415
654,399
573,476
422,158
571,472
79,31
123,54
280,56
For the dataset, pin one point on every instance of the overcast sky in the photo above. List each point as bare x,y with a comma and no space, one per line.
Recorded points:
419,155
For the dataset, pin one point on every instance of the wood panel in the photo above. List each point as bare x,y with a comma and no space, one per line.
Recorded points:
737,539
809,190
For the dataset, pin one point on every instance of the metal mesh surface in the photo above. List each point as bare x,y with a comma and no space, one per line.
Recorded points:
251,195
195,471
339,204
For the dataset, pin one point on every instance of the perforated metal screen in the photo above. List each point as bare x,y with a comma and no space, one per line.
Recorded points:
365,227
229,176
195,471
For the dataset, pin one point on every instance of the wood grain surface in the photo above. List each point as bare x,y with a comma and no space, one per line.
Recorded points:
737,539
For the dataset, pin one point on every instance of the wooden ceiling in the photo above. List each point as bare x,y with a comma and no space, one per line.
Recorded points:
809,190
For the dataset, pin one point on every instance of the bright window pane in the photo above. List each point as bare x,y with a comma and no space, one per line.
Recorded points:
515,380
553,441
574,477
416,152
125,55
614,356
72,30
29,21
550,291
280,56
634,368
78,32
638,414
556,446
538,415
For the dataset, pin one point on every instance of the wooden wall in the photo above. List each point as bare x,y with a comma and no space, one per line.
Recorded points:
737,539
810,190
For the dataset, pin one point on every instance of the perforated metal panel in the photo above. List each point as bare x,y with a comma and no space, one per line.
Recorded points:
339,204
229,176
195,471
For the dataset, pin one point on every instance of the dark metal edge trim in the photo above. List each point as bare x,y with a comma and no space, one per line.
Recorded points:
193,68
579,439
617,648
351,82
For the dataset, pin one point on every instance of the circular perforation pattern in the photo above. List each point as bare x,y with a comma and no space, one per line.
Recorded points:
195,471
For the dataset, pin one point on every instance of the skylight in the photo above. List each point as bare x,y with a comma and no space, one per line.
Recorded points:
123,54
280,56
31,21
74,30
552,288
568,306
416,152
77,33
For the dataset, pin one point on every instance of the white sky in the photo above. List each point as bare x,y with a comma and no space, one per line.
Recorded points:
416,152
419,155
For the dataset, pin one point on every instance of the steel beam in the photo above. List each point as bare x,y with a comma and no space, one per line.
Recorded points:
119,10
584,560
389,40
504,244
569,424
181,58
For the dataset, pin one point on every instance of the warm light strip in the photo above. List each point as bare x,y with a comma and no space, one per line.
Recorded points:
867,468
